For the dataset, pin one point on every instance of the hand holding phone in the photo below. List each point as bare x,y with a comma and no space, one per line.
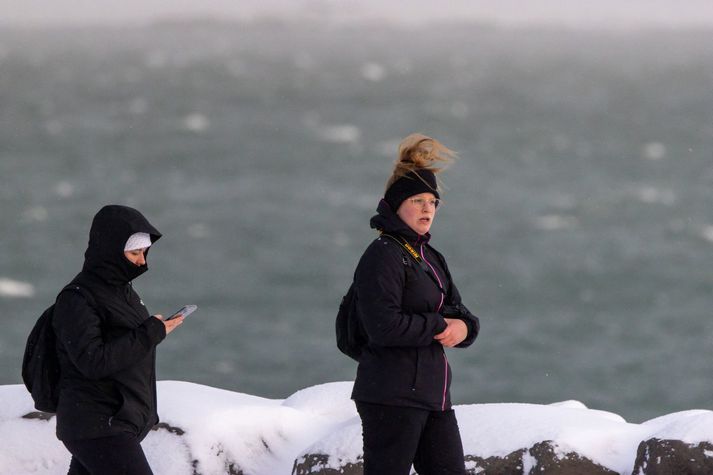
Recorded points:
184,311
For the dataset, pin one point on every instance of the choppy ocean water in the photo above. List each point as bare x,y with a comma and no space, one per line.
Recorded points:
578,223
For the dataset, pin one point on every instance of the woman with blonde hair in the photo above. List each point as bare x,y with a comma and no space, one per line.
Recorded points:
410,311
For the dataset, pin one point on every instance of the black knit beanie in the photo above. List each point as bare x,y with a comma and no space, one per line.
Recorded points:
413,183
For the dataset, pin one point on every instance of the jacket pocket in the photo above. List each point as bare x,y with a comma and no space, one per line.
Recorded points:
125,416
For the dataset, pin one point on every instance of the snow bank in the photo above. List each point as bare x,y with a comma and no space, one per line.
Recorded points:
206,430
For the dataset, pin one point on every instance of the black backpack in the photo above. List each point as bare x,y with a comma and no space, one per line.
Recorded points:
351,336
40,365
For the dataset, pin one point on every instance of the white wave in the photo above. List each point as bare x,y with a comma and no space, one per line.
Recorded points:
551,222
341,239
653,195
36,213
138,106
707,233
15,289
54,127
225,367
64,189
373,72
654,151
196,122
344,133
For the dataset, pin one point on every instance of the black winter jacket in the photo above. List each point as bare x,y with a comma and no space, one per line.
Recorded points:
107,351
401,310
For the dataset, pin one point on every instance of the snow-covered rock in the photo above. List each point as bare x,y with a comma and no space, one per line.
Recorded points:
209,431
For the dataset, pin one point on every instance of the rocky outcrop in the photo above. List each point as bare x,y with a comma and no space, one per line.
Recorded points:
319,464
39,415
673,457
542,458
545,459
510,464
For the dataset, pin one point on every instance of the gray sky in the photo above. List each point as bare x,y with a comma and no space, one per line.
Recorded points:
617,13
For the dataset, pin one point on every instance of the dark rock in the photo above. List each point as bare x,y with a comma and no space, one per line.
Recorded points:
673,457
511,464
316,464
542,460
170,428
548,462
43,416
231,468
542,457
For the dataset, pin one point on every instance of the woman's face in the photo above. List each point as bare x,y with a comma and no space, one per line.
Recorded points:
418,212
137,256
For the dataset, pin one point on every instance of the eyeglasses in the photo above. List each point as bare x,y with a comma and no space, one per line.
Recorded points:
421,202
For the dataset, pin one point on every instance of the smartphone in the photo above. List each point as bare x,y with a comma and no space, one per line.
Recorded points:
185,311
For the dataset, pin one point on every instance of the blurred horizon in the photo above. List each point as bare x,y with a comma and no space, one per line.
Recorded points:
632,14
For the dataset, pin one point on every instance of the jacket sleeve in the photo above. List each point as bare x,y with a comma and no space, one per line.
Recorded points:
79,332
456,309
380,279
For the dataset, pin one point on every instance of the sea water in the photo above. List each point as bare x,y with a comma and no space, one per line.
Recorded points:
578,223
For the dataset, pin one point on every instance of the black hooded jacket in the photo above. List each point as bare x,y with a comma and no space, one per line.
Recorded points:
401,309
107,351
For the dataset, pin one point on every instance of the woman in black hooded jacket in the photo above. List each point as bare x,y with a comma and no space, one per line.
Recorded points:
106,346
410,310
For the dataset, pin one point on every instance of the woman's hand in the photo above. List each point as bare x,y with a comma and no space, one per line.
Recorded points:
170,324
455,332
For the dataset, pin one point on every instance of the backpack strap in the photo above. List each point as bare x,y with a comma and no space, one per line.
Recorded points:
417,258
86,293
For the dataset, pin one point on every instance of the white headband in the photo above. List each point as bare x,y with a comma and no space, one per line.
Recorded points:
137,241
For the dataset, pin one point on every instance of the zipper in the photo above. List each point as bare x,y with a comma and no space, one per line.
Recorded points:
415,375
445,358
445,380
423,256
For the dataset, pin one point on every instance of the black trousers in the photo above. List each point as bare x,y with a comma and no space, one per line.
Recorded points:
397,437
116,455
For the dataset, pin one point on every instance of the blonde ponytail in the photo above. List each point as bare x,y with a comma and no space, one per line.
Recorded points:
420,152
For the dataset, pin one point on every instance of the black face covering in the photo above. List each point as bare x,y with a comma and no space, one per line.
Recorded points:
111,228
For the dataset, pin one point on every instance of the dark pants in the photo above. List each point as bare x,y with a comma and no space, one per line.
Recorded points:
117,455
396,437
